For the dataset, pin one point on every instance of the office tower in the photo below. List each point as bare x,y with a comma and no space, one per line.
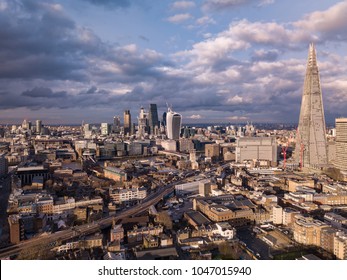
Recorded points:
164,119
105,129
341,144
153,120
311,144
142,121
38,126
116,121
173,123
127,122
116,124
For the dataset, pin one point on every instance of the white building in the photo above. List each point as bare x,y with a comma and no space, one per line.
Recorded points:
169,145
173,124
105,129
288,215
126,195
225,230
192,187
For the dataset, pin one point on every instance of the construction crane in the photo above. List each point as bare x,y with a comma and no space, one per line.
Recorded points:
284,152
302,148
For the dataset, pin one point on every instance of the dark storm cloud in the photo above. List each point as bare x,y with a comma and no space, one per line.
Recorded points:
39,41
41,97
42,92
42,43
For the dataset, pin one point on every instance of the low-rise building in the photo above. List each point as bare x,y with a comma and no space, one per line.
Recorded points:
119,196
137,234
115,174
225,230
340,246
336,220
307,230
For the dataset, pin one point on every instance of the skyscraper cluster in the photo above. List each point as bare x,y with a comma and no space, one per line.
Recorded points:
148,124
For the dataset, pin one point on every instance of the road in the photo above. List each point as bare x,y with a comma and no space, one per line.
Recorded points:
255,244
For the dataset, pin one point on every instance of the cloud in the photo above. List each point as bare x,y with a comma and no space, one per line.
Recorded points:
195,117
45,43
266,2
235,100
205,20
178,18
326,25
183,5
238,118
252,69
267,55
41,92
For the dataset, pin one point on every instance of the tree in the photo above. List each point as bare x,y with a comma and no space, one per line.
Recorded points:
164,219
37,252
229,251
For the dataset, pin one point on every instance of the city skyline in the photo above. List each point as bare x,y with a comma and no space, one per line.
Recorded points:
214,61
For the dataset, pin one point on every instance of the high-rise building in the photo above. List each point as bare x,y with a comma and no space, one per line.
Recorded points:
311,143
142,122
127,122
105,129
116,124
153,120
341,144
173,123
38,126
164,119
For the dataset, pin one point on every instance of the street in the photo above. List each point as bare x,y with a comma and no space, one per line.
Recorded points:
253,243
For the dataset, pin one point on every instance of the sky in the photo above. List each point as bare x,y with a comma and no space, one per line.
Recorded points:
213,61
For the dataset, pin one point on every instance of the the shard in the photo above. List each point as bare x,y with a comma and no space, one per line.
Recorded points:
311,143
